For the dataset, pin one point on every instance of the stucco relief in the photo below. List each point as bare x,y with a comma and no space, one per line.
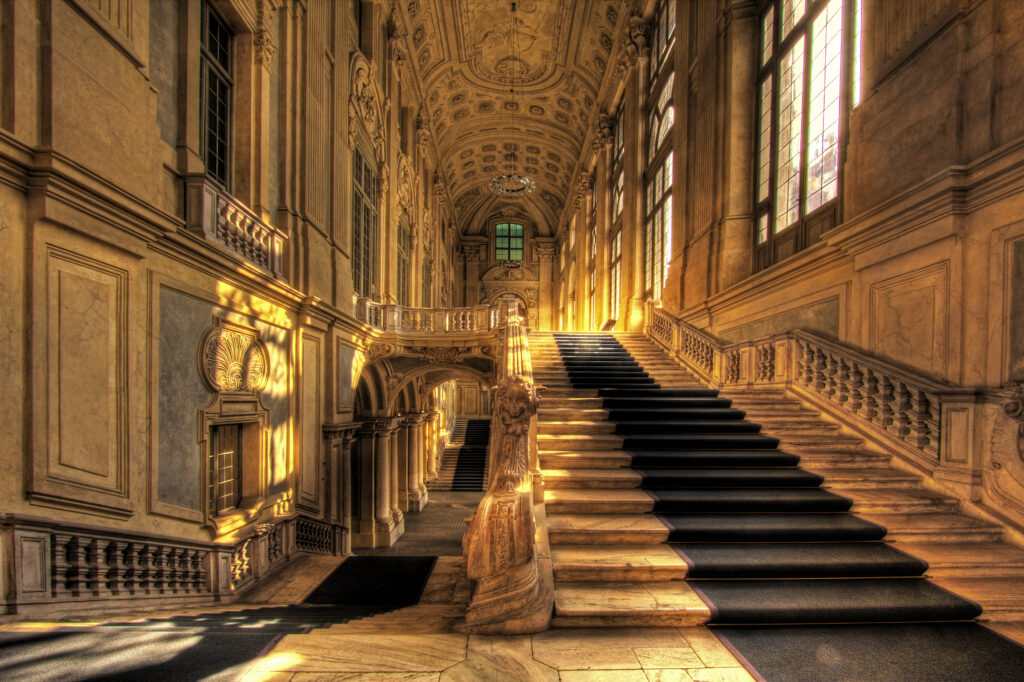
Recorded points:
232,358
367,105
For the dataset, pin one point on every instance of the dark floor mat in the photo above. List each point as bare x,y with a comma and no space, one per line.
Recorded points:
770,528
879,600
748,500
937,652
378,580
797,560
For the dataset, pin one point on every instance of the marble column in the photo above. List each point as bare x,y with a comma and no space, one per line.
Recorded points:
384,524
414,443
735,255
432,418
396,482
341,438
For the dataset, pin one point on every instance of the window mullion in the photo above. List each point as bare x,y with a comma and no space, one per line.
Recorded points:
805,117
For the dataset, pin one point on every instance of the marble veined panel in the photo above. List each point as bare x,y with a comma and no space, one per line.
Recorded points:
821,317
908,318
87,368
309,474
1016,317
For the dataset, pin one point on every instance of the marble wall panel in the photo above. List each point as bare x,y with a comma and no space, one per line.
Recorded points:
1015,322
343,375
163,66
87,367
820,317
276,397
12,344
183,320
310,439
908,318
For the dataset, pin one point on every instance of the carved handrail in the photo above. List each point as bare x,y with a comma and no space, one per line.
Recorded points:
507,559
388,317
892,403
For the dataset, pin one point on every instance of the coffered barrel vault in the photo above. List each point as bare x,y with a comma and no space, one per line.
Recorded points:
496,94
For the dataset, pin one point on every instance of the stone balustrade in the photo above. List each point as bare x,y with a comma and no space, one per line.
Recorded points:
893,405
507,559
84,568
404,320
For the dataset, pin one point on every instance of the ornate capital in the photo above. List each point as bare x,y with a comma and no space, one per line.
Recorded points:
263,45
639,37
605,131
1014,405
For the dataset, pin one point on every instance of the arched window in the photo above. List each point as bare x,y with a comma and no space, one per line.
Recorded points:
808,75
508,242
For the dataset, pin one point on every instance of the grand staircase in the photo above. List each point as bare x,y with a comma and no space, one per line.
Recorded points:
464,463
670,504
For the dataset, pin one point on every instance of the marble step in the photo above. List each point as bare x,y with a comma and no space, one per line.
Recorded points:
934,527
555,441
557,392
967,559
867,477
610,459
844,459
591,478
547,403
604,563
893,500
574,427
597,501
784,426
564,414
816,440
1000,598
623,604
606,529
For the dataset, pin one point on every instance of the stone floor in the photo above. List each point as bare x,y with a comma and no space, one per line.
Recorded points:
413,644
419,643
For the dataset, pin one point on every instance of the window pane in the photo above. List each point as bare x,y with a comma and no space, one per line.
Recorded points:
501,230
762,228
767,28
791,85
764,141
792,11
823,122
855,67
516,230
517,254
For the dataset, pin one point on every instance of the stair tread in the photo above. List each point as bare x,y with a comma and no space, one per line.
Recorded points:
621,598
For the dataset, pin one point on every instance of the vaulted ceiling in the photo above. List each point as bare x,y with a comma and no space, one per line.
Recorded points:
484,102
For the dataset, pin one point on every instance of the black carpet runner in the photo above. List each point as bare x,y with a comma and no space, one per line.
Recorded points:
771,552
211,646
471,464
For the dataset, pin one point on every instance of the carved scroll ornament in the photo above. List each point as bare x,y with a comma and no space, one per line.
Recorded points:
517,402
232,358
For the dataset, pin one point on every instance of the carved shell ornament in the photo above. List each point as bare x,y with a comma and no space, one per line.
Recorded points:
233,359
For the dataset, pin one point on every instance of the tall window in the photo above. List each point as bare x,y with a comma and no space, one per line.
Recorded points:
364,226
216,84
426,282
404,251
658,178
808,75
615,232
225,468
593,262
508,242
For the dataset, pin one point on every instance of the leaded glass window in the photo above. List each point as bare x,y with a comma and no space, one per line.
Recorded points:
216,100
808,77
508,242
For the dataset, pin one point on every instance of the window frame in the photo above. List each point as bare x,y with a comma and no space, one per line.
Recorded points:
212,68
365,225
404,261
772,245
657,247
510,246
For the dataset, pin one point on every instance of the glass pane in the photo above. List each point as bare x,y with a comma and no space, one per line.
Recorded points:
501,242
823,122
855,67
767,37
762,228
764,141
791,86
516,230
501,230
517,254
792,11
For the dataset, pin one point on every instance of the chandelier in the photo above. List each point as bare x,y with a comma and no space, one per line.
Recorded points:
512,183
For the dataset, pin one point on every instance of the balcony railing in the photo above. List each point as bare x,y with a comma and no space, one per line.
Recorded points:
506,557
395,318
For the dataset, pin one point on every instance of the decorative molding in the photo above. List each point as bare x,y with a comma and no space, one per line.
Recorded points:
233,359
367,105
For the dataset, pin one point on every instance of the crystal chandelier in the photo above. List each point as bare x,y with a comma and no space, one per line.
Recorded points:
513,183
